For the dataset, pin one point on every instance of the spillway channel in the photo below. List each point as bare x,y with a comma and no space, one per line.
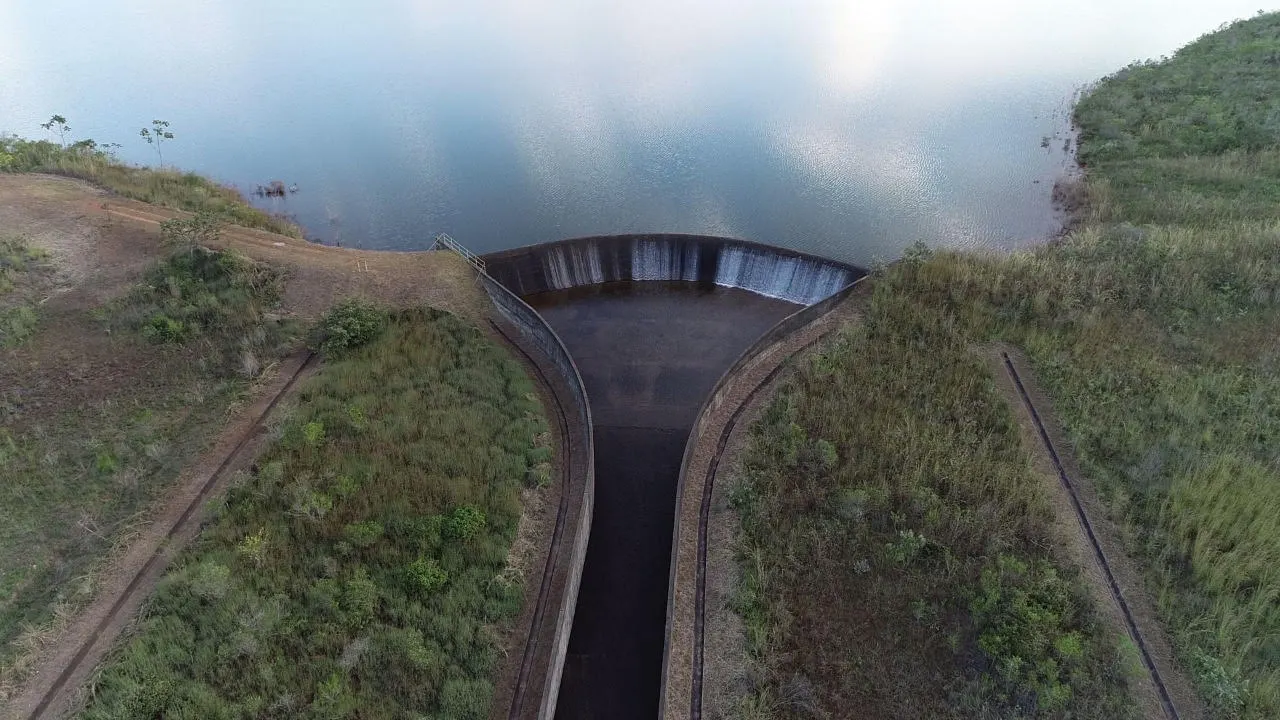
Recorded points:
651,323
648,352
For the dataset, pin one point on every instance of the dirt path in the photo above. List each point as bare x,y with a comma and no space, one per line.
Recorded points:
1087,538
319,275
100,245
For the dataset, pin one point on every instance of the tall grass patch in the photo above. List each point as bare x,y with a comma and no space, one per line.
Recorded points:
894,538
358,571
160,186
20,264
216,300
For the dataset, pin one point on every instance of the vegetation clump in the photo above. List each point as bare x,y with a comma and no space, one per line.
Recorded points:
1022,612
927,586
1151,327
216,299
19,262
354,572
1215,96
350,324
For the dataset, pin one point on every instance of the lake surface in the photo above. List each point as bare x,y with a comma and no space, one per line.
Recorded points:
847,129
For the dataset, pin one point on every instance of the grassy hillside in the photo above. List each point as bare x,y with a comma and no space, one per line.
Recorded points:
1153,326
361,569
168,362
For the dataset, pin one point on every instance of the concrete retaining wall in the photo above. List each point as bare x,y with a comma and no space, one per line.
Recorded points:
537,688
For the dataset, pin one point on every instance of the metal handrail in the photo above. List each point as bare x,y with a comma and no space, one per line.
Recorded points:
444,241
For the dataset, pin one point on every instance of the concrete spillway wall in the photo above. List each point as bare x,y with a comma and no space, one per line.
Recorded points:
769,271
537,679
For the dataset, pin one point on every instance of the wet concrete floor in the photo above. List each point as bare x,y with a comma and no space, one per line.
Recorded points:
649,352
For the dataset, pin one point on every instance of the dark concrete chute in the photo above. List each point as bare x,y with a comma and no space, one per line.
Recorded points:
651,322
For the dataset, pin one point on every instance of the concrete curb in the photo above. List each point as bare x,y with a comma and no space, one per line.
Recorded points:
534,675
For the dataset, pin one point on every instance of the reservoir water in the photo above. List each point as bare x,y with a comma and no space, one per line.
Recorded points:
843,128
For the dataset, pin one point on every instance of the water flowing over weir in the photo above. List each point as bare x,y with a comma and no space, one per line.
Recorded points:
651,322
760,269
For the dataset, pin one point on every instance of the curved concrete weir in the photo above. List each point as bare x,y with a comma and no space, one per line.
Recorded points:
651,322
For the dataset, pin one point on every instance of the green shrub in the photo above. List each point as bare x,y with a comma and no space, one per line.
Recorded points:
466,699
827,455
465,523
150,699
333,699
209,580
345,487
1023,612
425,575
363,534
906,547
359,598
254,547
350,324
163,329
313,433
1226,692
308,503
106,462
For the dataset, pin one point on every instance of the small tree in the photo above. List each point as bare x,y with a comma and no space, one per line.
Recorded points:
58,124
156,135
185,235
